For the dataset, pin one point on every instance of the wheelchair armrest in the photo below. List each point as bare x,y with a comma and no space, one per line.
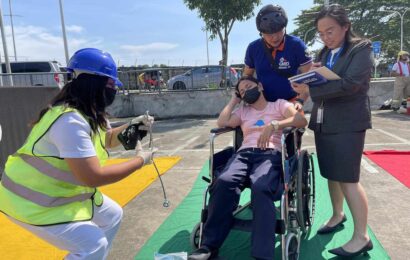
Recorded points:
291,129
288,130
222,130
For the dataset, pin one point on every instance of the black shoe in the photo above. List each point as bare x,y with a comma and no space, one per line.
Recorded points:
326,229
343,253
203,253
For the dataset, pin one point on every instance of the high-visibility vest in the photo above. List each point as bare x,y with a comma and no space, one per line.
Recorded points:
40,189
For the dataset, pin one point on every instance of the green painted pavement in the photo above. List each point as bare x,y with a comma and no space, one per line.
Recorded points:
173,235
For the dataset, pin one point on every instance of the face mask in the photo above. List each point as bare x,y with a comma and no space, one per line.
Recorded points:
251,95
109,96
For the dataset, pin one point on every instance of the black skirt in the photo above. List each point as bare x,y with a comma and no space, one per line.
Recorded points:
339,155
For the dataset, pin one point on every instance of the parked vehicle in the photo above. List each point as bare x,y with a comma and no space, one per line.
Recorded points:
151,79
66,74
33,73
203,77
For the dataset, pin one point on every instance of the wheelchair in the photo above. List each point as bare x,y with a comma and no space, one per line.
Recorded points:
296,197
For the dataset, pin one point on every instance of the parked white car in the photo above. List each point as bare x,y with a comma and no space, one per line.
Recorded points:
203,77
33,73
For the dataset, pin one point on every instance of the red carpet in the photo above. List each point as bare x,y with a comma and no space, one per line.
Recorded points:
397,163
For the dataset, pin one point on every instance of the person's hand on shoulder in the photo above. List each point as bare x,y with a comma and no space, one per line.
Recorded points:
298,105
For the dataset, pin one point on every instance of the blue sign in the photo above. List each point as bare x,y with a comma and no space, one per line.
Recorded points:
377,46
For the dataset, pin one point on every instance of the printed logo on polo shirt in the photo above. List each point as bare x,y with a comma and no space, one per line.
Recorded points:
258,124
283,64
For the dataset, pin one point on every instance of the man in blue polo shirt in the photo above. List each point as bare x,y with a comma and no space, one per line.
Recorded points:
276,56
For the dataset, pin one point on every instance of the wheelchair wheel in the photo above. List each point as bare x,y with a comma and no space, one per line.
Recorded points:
305,191
194,238
291,247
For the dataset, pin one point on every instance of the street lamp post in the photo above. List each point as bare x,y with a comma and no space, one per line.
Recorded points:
401,24
6,54
306,34
12,32
64,33
207,50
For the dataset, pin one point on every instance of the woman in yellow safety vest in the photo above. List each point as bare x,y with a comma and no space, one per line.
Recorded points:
49,186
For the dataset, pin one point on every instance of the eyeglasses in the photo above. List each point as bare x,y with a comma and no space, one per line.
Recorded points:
327,34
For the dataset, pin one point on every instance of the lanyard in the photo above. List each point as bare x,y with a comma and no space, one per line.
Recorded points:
332,58
401,70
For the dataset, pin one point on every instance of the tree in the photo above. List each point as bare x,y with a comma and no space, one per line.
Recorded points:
220,15
370,19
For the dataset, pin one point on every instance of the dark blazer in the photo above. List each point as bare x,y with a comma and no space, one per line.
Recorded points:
346,105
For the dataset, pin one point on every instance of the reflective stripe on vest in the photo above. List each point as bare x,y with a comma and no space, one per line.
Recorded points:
40,198
49,170
41,189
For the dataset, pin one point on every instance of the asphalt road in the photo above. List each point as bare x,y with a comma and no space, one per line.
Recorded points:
389,204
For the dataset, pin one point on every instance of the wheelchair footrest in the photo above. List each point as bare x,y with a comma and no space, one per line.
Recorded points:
206,179
246,225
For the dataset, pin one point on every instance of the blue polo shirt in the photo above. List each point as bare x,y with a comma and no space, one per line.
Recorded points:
293,55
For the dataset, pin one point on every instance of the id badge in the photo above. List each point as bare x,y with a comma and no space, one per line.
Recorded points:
319,118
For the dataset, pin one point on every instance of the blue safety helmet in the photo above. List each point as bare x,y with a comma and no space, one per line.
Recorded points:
94,61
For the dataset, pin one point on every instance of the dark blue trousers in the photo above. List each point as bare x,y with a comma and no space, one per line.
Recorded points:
261,170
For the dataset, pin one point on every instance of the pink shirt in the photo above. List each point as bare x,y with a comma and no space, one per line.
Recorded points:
253,122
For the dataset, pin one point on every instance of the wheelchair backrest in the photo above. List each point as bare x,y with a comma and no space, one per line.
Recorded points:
238,138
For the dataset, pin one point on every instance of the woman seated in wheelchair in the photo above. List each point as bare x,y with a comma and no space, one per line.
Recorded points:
257,164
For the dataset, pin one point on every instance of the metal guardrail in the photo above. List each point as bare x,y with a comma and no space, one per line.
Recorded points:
178,78
143,80
383,79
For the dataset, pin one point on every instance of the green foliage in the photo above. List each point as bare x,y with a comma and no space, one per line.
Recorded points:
370,20
220,15
213,86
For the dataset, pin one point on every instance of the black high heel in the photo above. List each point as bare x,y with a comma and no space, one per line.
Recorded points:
343,253
326,229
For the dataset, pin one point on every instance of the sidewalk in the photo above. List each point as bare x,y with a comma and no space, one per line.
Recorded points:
389,206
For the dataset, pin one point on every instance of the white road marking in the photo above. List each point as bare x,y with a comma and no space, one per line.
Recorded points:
377,144
369,168
394,136
190,141
153,140
186,151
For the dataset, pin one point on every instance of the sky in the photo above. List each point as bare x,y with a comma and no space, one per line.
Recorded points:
135,32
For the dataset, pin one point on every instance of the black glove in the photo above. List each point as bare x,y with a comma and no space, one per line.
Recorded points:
133,133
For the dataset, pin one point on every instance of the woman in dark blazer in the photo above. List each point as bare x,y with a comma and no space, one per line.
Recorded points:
340,118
